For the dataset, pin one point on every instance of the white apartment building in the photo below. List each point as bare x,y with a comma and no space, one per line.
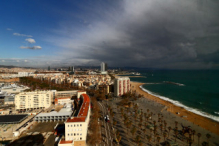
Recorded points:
24,74
121,86
76,127
33,100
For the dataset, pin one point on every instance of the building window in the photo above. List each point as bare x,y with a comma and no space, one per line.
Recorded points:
80,124
77,125
80,138
74,125
77,133
74,134
80,133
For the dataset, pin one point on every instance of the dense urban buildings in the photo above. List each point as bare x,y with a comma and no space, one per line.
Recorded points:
121,86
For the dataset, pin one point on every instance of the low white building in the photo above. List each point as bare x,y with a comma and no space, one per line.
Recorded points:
53,116
76,127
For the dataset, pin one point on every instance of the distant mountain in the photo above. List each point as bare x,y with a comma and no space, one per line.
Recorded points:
11,66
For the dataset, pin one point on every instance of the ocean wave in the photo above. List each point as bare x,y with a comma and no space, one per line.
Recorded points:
151,83
179,84
216,113
177,103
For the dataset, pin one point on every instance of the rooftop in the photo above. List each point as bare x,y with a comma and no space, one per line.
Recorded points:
83,110
65,142
9,119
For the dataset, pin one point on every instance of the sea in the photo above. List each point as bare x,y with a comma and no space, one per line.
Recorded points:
195,90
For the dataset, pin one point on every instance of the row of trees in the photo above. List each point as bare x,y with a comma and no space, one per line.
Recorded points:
152,127
42,84
94,134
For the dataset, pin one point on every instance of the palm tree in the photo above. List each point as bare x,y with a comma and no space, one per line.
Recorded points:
145,116
141,119
144,130
149,138
140,143
176,133
139,125
190,141
199,135
193,133
158,139
151,130
161,128
208,137
136,116
129,125
137,139
154,122
155,134
133,130
164,136
165,124
148,110
176,123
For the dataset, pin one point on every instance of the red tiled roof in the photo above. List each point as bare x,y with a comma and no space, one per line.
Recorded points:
64,142
76,119
83,111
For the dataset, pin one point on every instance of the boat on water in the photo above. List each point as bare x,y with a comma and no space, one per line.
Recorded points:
137,73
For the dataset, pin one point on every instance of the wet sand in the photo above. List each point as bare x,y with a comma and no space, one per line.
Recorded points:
201,121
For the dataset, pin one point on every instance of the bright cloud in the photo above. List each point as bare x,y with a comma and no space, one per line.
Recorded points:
30,40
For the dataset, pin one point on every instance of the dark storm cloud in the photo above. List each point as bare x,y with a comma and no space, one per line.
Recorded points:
154,33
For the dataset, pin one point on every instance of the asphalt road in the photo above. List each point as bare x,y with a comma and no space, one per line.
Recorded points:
106,128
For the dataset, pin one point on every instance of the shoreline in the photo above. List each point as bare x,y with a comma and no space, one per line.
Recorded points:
196,119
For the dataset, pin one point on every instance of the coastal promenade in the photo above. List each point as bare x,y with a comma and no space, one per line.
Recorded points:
195,119
201,121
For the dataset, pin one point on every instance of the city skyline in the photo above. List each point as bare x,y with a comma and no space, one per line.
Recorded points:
148,34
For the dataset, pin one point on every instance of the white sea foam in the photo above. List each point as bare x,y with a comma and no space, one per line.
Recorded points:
177,103
151,83
179,84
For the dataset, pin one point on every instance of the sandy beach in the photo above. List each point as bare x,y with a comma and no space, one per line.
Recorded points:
198,120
